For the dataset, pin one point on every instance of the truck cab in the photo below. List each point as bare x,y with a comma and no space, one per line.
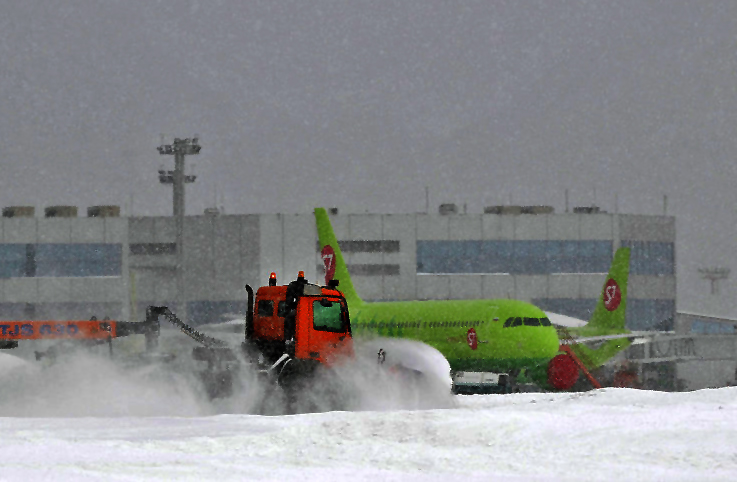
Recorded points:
308,322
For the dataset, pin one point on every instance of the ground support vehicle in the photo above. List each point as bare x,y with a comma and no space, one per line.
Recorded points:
294,335
88,332
473,383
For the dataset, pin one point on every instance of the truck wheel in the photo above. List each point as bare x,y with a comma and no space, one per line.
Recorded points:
308,386
294,380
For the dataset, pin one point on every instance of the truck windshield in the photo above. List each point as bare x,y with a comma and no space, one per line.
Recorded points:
327,318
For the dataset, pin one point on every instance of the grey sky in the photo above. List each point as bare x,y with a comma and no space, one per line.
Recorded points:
362,104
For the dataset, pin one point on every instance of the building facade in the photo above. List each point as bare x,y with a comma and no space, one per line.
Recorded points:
67,267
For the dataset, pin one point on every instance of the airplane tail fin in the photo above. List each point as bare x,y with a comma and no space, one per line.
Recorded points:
609,314
332,258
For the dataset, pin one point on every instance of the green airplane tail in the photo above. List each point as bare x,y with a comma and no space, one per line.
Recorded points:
609,314
332,258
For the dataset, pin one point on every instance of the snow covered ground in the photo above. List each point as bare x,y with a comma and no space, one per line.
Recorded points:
609,434
79,421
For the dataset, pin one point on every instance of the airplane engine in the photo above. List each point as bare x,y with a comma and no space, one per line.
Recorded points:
562,372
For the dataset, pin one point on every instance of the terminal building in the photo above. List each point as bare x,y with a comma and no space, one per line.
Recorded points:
64,266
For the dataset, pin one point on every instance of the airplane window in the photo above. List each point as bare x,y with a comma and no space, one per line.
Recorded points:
508,323
531,322
517,322
545,322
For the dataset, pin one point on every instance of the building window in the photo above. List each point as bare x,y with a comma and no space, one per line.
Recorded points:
650,314
651,258
712,328
153,248
515,257
367,269
12,260
373,269
529,257
594,256
367,246
30,260
77,260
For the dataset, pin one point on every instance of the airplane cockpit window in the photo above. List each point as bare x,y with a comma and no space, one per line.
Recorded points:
517,322
508,323
531,321
545,322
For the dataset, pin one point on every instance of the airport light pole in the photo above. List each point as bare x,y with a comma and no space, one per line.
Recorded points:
179,149
714,275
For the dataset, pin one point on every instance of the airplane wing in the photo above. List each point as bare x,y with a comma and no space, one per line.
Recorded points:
638,337
565,321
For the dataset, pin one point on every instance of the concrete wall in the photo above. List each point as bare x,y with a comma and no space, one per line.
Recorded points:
403,228
699,374
647,228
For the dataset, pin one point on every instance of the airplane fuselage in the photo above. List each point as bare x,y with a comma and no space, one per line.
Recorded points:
473,335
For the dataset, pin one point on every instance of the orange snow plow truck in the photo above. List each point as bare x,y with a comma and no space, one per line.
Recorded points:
293,334
303,321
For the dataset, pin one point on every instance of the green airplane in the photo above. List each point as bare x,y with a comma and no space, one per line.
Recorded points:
500,336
